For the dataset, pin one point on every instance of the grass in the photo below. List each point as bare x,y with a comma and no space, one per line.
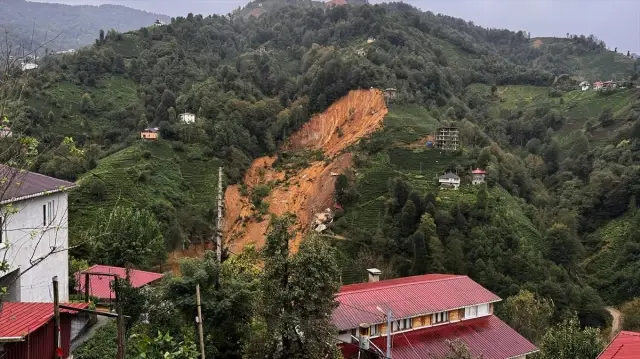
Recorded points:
148,175
408,123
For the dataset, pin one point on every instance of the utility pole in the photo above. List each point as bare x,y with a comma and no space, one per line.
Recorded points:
389,334
119,319
56,325
219,224
200,321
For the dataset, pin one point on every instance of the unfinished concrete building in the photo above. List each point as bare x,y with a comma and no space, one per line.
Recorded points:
447,138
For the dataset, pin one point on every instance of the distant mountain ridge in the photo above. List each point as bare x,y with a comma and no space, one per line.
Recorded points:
74,25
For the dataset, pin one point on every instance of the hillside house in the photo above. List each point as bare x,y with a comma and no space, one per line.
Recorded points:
584,85
150,133
426,311
447,138
609,85
624,345
187,117
27,330
478,176
100,286
449,180
598,85
390,93
33,234
28,66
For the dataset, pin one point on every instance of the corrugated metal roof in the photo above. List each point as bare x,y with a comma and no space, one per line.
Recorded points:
626,345
18,319
406,297
16,184
100,286
486,336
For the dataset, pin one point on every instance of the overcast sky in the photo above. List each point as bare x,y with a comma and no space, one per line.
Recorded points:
617,22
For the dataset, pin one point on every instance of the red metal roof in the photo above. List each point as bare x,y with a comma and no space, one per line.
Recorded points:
406,297
486,336
478,171
100,285
626,345
18,319
17,184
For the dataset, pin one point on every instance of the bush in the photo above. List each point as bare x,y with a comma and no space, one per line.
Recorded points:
631,315
95,187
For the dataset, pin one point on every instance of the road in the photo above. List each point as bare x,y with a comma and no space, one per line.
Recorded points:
616,324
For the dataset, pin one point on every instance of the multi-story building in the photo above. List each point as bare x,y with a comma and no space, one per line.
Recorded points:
447,138
427,312
33,235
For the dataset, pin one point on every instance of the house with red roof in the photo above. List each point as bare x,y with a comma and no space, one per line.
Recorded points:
626,345
427,312
101,279
34,237
27,330
478,176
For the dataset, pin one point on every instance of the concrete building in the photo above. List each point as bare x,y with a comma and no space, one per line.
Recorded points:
584,85
447,138
187,117
150,134
426,311
449,180
33,235
478,176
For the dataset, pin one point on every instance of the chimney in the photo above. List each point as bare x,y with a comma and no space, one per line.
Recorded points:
374,274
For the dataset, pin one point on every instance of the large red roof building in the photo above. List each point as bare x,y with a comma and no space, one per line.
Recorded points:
100,285
626,345
427,311
27,330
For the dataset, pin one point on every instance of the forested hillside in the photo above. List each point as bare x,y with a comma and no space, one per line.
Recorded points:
554,216
29,25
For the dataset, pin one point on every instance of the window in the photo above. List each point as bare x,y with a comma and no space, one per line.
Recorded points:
373,331
402,324
48,213
440,317
476,311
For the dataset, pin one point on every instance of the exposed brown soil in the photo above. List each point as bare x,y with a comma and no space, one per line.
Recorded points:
194,251
306,191
537,43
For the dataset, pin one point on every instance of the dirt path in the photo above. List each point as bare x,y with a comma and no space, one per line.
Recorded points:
617,321
309,190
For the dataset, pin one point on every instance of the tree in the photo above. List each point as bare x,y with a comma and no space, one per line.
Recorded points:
628,53
568,340
408,218
127,236
297,297
528,314
101,36
86,103
563,246
631,315
458,350
162,346
434,245
119,66
227,291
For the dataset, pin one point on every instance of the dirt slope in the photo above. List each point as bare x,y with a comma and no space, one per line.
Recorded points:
309,190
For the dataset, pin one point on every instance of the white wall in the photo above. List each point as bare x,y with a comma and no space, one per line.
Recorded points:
26,240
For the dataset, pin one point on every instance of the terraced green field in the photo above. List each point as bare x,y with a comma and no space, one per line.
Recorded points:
150,175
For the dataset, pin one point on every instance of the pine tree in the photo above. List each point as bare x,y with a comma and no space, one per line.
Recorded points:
420,255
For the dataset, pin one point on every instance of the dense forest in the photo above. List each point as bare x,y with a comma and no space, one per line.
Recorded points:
556,217
56,27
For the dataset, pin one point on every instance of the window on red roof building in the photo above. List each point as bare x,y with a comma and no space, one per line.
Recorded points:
441,317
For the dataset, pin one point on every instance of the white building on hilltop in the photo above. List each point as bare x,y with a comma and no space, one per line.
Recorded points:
34,236
187,117
449,180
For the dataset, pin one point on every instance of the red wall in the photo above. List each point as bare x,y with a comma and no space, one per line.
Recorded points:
40,344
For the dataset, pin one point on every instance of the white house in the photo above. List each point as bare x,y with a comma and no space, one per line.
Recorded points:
187,117
28,66
585,85
449,180
478,176
33,235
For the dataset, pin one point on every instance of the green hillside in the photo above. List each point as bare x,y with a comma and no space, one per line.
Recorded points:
177,184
